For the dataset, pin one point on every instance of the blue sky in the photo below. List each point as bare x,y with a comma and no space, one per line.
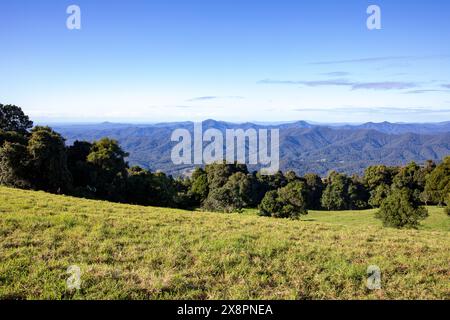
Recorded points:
150,61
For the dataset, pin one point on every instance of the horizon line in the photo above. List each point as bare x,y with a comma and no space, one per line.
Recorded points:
132,122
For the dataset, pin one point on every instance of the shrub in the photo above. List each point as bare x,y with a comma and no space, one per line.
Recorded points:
270,205
221,200
400,210
286,202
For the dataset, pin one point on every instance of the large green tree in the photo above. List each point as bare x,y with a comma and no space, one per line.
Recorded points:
199,187
375,176
315,188
401,210
437,184
378,180
140,187
287,202
219,173
270,205
14,165
358,195
234,195
335,196
82,171
409,177
377,195
12,118
110,169
48,160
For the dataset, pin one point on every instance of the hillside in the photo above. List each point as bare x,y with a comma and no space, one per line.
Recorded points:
133,252
304,147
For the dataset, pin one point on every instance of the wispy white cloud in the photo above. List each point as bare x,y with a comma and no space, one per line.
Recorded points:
380,59
336,74
426,91
332,82
363,60
388,85
205,98
383,85
381,110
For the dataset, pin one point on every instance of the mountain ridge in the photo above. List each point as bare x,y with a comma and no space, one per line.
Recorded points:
304,147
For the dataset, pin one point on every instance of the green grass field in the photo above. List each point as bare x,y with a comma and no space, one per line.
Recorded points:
133,252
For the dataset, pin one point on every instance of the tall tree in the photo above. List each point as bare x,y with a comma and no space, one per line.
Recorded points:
375,176
437,184
407,177
287,202
48,159
199,188
82,171
218,173
358,195
315,188
14,166
140,187
110,167
13,137
377,195
233,196
12,118
335,195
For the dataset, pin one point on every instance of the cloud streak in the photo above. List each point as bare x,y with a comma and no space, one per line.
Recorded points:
363,60
383,85
381,110
425,91
336,74
379,59
206,98
203,98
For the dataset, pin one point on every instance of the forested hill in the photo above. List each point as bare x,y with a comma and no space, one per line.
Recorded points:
304,147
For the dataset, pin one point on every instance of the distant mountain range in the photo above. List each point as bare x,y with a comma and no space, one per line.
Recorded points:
304,147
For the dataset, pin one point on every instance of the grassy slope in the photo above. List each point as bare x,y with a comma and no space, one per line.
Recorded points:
132,252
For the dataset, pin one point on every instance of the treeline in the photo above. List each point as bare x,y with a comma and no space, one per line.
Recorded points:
37,158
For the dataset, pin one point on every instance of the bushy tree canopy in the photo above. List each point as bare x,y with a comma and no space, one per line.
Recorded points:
335,195
233,196
315,188
12,118
378,175
287,202
438,182
200,187
400,210
14,165
378,195
48,160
